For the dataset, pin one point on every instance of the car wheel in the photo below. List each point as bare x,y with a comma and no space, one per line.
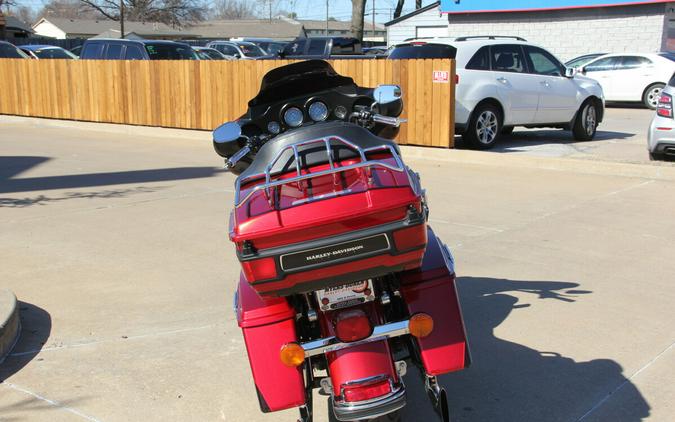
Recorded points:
651,96
484,127
586,122
507,130
655,156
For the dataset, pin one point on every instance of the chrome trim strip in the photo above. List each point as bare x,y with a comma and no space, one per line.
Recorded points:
332,344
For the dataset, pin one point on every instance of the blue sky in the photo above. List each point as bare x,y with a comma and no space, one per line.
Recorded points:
342,9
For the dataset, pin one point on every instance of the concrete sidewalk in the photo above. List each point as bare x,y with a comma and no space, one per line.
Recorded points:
117,247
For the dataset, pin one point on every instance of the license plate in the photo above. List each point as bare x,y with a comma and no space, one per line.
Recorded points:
346,295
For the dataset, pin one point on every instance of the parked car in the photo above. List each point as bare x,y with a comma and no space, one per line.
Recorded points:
378,51
47,52
582,60
205,53
631,77
9,51
243,50
322,48
119,49
76,51
661,136
269,45
504,82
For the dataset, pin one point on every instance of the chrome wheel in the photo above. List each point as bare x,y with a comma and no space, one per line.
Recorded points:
590,119
486,127
653,96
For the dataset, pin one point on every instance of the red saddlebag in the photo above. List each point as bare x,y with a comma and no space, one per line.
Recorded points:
329,224
268,324
431,289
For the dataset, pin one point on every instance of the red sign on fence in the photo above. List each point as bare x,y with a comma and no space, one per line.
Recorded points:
441,76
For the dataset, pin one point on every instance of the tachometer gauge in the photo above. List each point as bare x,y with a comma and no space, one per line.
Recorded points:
318,111
293,117
274,128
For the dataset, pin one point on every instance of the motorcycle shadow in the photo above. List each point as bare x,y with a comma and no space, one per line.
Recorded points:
512,382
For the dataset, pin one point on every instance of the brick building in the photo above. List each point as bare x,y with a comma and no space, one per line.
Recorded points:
568,28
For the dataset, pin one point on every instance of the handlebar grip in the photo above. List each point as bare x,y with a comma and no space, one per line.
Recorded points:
392,121
232,161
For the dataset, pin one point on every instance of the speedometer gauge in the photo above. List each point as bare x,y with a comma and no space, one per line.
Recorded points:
293,117
318,111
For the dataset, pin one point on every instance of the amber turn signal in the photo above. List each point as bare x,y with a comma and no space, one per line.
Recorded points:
292,354
420,325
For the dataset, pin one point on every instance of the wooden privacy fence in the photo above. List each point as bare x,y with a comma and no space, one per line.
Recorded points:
203,94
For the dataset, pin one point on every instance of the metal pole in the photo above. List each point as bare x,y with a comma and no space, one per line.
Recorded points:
326,17
121,18
372,29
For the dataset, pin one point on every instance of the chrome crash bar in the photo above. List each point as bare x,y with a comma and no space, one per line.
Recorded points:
269,183
332,344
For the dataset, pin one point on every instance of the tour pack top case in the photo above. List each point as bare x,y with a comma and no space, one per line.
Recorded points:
326,205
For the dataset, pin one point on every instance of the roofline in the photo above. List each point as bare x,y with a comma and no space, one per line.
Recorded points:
548,9
411,14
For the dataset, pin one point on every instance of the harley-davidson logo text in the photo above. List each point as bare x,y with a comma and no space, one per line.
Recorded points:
337,252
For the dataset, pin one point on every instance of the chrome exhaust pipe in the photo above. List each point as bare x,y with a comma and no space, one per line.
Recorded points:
669,150
438,397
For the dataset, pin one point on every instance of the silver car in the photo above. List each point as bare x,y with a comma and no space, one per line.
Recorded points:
661,137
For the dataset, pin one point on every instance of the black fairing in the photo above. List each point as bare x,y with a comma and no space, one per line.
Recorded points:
298,84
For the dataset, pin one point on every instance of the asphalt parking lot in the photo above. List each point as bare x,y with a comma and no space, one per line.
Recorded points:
622,137
116,247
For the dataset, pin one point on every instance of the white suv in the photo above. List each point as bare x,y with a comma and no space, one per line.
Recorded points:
504,82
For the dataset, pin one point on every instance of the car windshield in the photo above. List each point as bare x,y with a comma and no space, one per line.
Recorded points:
8,51
54,53
212,54
251,50
669,55
580,61
170,52
273,47
423,51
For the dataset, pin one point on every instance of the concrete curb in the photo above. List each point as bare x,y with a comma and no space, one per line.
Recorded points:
157,132
658,171
9,323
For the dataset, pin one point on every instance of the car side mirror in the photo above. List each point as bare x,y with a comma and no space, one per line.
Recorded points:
227,132
237,56
570,72
385,94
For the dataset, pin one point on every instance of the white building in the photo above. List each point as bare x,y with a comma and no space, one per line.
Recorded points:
599,26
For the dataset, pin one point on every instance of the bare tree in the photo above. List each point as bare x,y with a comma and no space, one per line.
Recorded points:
171,12
399,8
71,9
24,14
358,14
233,9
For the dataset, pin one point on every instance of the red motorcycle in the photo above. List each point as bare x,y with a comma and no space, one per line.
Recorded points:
343,284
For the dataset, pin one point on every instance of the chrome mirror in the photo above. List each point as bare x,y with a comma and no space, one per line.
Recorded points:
227,132
570,72
385,94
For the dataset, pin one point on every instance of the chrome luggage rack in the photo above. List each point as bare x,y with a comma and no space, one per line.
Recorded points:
269,183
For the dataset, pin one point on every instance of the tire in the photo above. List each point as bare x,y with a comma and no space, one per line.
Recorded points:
586,122
651,96
655,156
484,127
507,130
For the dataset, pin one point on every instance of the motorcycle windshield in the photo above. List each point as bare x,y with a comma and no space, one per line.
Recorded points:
298,79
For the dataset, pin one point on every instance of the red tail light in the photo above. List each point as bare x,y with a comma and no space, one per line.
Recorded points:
352,325
456,79
410,237
665,106
260,269
366,392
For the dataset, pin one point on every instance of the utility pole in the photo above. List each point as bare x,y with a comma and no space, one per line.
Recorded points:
372,28
270,4
121,18
326,17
